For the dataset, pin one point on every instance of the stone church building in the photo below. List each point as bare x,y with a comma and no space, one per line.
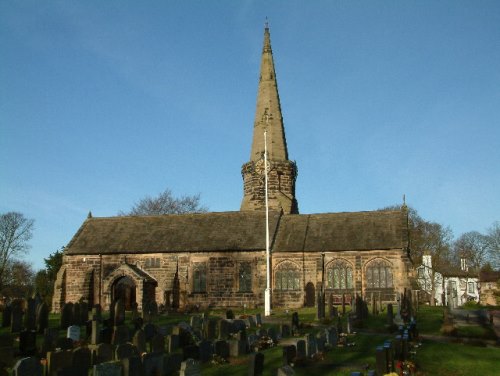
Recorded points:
219,259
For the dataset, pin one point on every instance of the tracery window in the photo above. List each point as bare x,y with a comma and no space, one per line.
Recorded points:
287,277
199,277
245,277
339,275
379,275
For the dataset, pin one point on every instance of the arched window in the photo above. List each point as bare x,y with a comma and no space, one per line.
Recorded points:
287,277
245,277
339,275
199,277
379,275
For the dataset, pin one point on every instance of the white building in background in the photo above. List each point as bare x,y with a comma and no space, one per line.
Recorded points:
453,287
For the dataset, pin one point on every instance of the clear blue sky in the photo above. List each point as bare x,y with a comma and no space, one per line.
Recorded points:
104,102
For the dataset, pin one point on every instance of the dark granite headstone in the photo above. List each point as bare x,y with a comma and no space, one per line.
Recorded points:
132,366
172,343
295,322
229,314
58,360
256,364
108,369
16,321
125,350
158,344
64,343
206,350
211,329
27,343
258,319
28,367
289,354
190,351
104,353
42,317
67,315
222,348
30,314
285,330
172,363
301,349
81,361
139,340
120,335
6,316
190,367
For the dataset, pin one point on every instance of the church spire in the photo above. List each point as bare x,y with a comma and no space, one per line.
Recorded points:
268,112
281,171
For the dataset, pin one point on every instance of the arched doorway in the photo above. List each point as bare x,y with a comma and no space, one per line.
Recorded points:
310,294
124,288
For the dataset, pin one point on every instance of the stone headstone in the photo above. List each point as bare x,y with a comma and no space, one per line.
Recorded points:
289,354
224,329
380,361
251,322
190,351
6,316
73,332
64,344
239,325
258,319
125,350
172,364
42,317
81,361
27,343
150,331
311,347
295,322
58,360
158,344
320,342
206,350
211,329
349,324
105,334
331,336
190,367
27,367
120,335
139,341
104,353
256,364
172,342
273,334
16,321
108,369
67,315
132,366
229,314
222,348
285,330
30,314
301,349
119,313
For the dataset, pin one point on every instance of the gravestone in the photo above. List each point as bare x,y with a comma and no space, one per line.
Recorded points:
81,361
261,332
84,312
49,341
29,366
285,330
64,344
150,331
96,332
256,364
67,315
206,349
6,316
229,314
104,353
222,348
108,369
295,322
320,342
172,364
224,329
301,349
239,325
77,319
42,317
273,334
190,367
237,348
172,343
211,329
27,343
286,371
258,319
158,344
331,336
30,314
251,322
6,350
73,332
105,334
16,321
120,335
119,313
349,324
311,348
57,360
125,350
139,341
289,354
132,366
190,351
380,361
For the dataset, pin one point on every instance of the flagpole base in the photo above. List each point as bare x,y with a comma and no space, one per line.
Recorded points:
267,302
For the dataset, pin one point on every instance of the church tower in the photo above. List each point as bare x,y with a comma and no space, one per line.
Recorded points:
281,171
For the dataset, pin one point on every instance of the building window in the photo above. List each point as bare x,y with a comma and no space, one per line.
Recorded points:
379,275
287,277
339,276
245,277
199,277
420,272
471,289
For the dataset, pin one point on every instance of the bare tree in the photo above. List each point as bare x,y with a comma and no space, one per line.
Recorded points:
472,246
15,232
166,203
493,237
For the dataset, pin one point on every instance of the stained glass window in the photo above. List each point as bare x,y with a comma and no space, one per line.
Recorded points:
245,277
339,275
379,275
287,277
199,277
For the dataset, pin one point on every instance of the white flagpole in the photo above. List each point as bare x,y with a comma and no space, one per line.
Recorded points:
267,294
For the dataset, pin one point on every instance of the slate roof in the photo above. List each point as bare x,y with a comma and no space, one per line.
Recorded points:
240,231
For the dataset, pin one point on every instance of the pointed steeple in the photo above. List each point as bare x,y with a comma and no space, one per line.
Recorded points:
268,112
281,171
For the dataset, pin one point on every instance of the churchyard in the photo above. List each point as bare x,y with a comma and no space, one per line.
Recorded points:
349,339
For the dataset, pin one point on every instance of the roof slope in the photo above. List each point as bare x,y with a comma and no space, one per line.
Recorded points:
240,231
355,231
226,231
